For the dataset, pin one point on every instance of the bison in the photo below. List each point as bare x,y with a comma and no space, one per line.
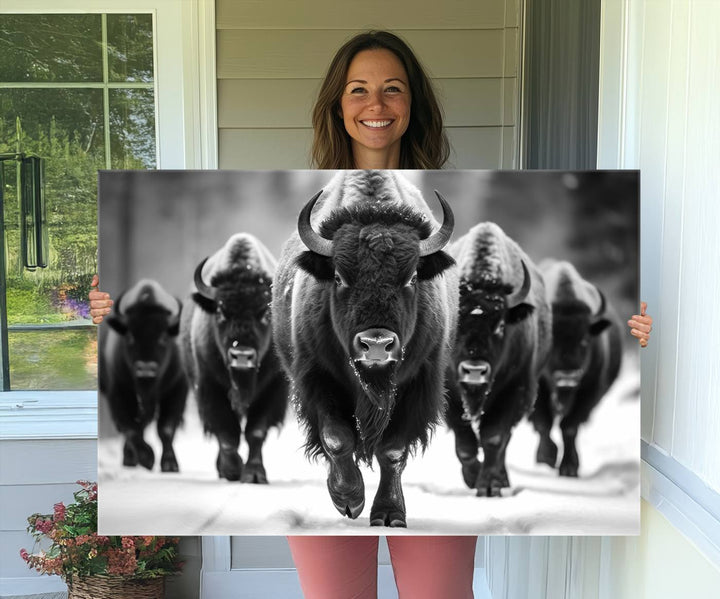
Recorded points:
140,371
503,341
364,314
585,360
227,348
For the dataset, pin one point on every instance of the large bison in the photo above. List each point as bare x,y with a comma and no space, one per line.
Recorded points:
228,353
503,342
585,360
364,311
141,373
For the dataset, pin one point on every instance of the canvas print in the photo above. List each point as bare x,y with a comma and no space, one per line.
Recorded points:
369,352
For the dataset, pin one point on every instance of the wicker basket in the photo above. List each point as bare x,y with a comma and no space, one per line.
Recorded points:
116,587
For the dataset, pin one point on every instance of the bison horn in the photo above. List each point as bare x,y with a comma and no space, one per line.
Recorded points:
439,239
518,296
603,305
206,291
309,237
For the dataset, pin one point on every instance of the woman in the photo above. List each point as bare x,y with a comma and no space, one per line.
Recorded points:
377,110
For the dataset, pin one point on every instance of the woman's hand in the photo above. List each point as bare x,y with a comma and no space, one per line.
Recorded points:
641,325
100,302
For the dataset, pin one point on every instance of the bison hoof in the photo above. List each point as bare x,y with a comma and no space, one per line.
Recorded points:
349,503
168,463
569,470
470,472
393,518
229,465
491,485
547,453
254,474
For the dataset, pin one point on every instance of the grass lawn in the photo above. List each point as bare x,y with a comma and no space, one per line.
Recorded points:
53,359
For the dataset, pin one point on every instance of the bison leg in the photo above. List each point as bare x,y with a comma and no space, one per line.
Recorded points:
172,407
254,471
495,429
542,419
345,482
570,461
388,508
136,450
466,443
220,420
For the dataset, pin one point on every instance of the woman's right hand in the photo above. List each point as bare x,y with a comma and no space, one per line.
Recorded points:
100,302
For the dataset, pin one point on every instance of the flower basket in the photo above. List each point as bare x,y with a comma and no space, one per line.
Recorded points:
97,566
116,587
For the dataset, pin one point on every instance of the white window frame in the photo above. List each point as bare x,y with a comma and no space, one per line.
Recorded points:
186,136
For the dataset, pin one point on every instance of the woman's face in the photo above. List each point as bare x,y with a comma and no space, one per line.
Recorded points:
375,103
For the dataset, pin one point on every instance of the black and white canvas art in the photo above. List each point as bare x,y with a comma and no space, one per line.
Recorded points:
369,352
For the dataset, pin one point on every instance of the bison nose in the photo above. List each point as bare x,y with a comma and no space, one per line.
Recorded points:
242,357
567,378
474,372
377,346
145,370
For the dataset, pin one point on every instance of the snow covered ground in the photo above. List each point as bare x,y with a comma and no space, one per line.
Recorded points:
604,500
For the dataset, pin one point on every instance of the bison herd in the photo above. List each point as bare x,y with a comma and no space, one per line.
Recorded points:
379,329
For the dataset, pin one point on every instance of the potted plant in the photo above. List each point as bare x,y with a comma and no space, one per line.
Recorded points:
95,565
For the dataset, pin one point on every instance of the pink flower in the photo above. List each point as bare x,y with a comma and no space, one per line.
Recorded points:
24,554
59,509
128,543
44,526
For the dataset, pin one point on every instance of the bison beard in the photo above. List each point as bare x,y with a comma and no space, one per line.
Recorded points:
242,389
373,407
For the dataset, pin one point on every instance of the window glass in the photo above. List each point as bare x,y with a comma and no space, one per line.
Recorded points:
130,47
132,128
37,48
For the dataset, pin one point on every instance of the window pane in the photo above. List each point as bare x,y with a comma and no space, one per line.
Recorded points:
53,359
65,127
132,128
130,47
50,48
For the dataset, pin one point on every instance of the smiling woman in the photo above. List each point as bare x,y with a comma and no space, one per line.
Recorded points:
377,109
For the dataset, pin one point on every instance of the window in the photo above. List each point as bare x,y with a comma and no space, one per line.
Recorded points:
78,91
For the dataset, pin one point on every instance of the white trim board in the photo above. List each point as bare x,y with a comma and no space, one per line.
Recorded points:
48,415
678,494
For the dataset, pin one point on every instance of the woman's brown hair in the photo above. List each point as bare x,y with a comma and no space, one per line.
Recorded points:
424,145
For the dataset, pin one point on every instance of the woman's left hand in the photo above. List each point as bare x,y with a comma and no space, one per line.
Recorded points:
641,325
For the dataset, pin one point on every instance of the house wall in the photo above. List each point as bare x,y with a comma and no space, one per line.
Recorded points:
271,58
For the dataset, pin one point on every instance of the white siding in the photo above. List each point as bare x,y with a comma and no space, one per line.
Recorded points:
271,59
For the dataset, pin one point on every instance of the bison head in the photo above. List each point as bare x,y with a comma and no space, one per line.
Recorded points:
375,261
148,319
238,299
574,329
487,307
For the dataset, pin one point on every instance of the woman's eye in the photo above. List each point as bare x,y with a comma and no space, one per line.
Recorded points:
357,90
393,89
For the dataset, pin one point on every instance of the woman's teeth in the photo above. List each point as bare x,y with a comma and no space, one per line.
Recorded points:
376,124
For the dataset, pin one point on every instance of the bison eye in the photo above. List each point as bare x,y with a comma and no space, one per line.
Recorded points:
411,282
264,316
499,329
339,281
220,314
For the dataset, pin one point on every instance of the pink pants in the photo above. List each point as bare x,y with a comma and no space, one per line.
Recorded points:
346,567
